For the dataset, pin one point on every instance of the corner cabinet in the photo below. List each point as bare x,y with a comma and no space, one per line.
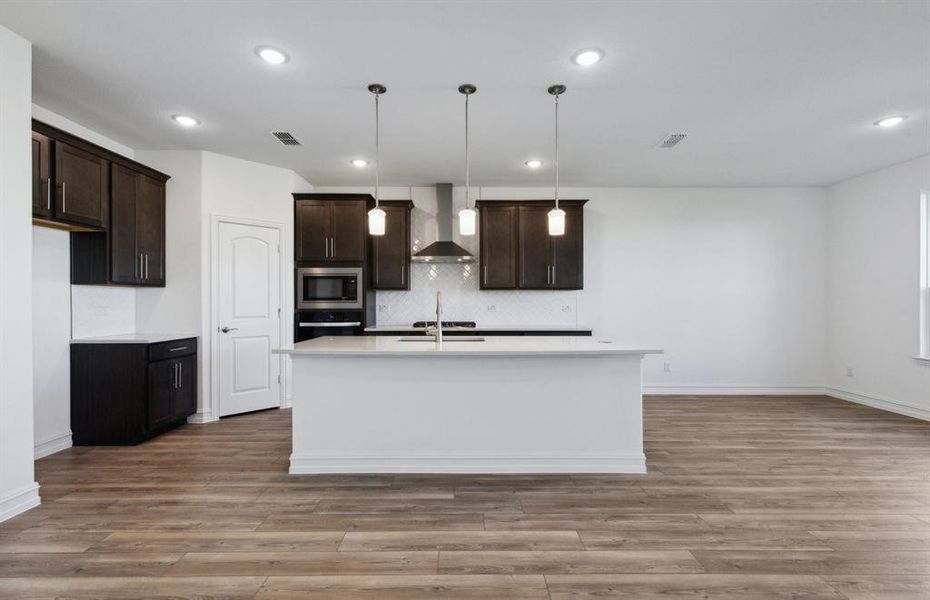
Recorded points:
331,227
125,393
113,206
517,251
390,253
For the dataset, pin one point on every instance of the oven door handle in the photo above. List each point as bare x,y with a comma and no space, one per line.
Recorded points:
331,324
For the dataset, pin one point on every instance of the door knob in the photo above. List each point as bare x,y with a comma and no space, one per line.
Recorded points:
228,329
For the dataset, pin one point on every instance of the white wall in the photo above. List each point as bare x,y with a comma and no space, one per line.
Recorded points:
873,288
728,281
204,184
51,335
233,187
18,489
63,311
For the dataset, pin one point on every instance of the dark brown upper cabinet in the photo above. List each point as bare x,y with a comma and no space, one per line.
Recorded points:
390,253
517,251
81,190
41,176
113,206
71,180
137,229
331,227
498,260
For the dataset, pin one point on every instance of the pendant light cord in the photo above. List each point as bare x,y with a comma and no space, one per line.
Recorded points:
377,153
467,165
556,151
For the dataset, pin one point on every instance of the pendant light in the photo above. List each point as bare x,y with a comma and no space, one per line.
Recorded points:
467,216
376,216
557,215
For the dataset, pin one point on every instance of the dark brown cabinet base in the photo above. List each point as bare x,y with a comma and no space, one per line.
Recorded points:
123,394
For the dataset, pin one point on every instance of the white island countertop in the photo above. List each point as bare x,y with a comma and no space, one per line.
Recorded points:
379,346
134,338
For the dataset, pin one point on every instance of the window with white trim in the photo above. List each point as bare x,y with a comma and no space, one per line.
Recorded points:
925,275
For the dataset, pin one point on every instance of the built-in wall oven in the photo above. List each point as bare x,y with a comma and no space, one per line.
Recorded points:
326,323
330,288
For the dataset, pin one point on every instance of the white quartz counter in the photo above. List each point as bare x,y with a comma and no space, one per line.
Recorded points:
134,338
379,346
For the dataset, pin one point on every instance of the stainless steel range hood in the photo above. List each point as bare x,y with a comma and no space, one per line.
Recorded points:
444,250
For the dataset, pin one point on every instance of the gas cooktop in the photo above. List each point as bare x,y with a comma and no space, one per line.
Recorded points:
466,324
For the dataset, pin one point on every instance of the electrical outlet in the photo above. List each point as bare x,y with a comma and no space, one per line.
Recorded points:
382,308
667,367
566,308
491,308
849,372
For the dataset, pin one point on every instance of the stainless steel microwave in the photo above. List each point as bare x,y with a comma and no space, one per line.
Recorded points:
330,288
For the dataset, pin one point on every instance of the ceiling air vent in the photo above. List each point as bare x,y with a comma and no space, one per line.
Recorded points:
285,137
671,140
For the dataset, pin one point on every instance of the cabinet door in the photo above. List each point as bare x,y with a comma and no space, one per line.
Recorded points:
312,226
391,251
535,248
498,247
350,230
150,229
162,389
568,253
185,393
125,258
41,176
81,181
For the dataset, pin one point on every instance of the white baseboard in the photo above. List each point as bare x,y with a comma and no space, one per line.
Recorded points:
900,408
594,463
19,501
288,402
52,445
201,417
733,390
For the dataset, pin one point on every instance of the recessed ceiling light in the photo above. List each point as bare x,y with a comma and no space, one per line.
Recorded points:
272,56
588,56
533,164
891,121
359,162
185,121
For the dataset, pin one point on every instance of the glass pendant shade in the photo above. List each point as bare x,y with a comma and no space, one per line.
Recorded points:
376,221
467,219
556,221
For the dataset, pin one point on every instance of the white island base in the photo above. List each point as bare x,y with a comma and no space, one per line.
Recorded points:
506,405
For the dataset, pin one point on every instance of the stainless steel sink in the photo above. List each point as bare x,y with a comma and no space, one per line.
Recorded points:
445,340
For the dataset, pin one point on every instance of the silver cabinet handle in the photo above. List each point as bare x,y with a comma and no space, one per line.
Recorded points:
332,246
64,198
139,267
174,371
326,247
180,373
228,329
331,324
178,349
48,193
485,274
548,275
146,265
553,274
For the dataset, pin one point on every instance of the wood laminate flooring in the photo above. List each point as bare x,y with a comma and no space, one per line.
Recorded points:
746,498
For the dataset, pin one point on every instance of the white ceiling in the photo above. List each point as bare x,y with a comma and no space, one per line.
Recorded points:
770,92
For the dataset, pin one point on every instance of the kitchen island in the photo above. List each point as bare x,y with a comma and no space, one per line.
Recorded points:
377,404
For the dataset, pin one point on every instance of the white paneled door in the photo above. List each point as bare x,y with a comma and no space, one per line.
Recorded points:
249,284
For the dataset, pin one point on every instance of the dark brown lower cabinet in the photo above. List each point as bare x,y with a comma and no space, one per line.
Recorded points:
126,393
